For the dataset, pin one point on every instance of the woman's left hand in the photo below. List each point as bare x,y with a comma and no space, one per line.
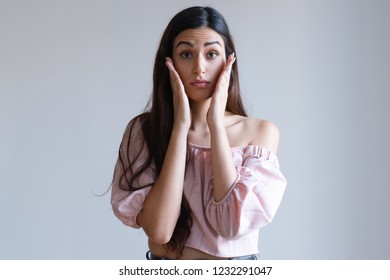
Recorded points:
216,112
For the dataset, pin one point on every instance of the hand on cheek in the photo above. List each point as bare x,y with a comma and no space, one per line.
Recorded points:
218,101
181,107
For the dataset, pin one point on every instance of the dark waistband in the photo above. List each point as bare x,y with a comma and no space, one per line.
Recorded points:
150,256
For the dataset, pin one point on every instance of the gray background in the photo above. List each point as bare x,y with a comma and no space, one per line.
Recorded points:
73,73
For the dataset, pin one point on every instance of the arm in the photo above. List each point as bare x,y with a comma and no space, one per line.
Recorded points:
224,171
153,208
161,209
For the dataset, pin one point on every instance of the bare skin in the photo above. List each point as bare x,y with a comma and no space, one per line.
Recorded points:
199,73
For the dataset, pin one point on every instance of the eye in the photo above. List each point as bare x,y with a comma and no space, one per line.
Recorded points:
186,55
212,54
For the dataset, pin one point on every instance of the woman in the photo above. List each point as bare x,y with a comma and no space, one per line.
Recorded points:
198,175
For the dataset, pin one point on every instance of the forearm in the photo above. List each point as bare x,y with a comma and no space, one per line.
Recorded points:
224,170
162,206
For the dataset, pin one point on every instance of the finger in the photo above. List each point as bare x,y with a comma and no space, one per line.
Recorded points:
169,64
171,68
225,74
224,78
176,82
230,62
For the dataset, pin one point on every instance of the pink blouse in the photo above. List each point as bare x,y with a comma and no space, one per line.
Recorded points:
231,226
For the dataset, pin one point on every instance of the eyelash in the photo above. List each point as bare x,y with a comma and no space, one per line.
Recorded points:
215,54
185,53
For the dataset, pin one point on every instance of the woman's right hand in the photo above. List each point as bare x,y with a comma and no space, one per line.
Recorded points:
181,106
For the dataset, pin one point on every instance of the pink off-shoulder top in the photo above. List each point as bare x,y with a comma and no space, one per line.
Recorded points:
229,227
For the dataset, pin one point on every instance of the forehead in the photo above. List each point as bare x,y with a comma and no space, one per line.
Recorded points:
202,35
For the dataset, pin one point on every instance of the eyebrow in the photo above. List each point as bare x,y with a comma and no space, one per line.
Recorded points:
192,45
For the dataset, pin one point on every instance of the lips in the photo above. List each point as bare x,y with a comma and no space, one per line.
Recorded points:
200,83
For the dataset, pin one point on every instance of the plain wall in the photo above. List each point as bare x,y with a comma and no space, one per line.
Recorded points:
73,73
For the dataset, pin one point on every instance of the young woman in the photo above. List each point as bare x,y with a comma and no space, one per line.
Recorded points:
199,176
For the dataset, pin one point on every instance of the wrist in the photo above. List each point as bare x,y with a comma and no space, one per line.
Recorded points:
217,128
216,124
180,130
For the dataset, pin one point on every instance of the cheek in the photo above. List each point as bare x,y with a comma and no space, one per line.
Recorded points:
181,70
217,68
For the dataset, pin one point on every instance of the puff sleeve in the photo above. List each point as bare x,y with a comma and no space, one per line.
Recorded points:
253,198
127,204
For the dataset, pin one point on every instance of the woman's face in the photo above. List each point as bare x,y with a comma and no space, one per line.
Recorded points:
199,57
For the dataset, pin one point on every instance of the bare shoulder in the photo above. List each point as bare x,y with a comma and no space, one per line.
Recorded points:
263,133
253,131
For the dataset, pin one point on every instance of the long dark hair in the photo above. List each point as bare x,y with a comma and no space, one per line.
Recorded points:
157,120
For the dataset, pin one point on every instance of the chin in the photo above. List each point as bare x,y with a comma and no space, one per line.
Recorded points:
199,98
199,95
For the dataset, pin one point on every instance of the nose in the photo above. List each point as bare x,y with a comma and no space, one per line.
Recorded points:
199,66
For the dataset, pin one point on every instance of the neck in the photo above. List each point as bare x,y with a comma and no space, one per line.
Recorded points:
199,115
